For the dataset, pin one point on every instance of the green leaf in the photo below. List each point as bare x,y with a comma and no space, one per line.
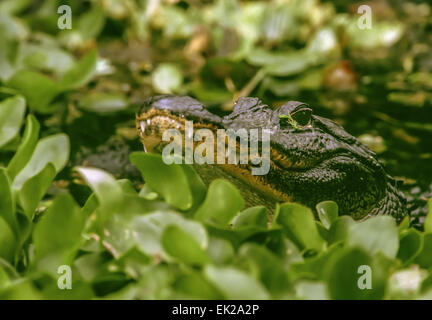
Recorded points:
34,189
281,64
339,229
134,262
148,193
91,266
262,57
406,284
139,223
291,252
21,290
404,225
311,290
11,116
279,22
346,274
108,192
58,234
196,185
299,224
235,236
374,235
11,28
411,99
223,201
183,247
90,205
323,231
7,241
251,217
178,24
7,204
195,286
383,34
26,148
270,269
38,89
102,102
323,43
424,258
8,269
410,244
148,230
328,212
46,57
116,232
127,187
236,284
80,291
292,64
167,78
4,278
7,62
53,149
427,281
211,95
281,88
91,23
170,181
81,73
13,6
313,266
428,221
220,250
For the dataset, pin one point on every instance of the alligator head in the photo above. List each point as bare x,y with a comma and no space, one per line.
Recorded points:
312,158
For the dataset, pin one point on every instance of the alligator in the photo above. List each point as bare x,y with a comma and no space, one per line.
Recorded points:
312,158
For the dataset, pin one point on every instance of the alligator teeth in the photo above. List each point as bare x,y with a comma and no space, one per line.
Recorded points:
142,127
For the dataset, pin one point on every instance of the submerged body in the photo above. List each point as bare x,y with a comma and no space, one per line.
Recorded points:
312,159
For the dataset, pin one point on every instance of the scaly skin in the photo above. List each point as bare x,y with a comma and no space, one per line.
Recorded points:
312,162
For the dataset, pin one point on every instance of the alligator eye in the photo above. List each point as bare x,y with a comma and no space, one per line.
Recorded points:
302,116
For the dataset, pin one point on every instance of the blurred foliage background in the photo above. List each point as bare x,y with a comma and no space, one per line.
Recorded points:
376,82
